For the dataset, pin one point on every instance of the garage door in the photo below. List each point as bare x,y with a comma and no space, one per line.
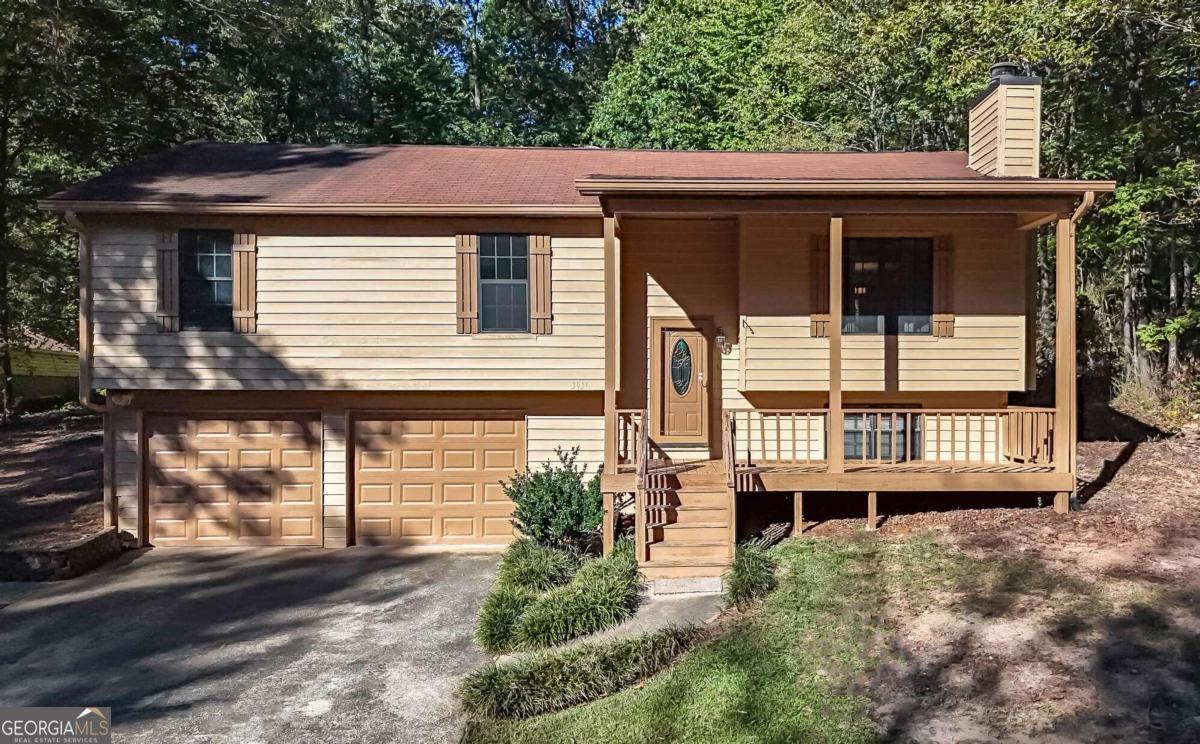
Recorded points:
244,480
435,480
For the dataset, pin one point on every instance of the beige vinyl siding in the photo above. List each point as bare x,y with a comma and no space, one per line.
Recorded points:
333,478
986,353
347,312
544,433
985,134
778,349
125,471
1005,132
1023,115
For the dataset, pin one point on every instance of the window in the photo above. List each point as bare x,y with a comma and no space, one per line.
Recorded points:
206,280
873,432
504,283
888,286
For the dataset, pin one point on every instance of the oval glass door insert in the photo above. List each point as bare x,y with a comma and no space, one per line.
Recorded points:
681,367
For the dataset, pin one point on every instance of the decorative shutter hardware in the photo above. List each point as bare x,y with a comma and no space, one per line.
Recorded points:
466,252
819,319
245,283
167,253
541,316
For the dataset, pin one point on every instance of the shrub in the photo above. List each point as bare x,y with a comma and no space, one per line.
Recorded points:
496,630
554,506
552,681
602,594
751,576
527,565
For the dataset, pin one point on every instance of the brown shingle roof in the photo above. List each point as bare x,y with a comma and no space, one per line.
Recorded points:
396,175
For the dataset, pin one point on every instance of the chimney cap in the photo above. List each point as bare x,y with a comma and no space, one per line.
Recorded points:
1005,70
1005,73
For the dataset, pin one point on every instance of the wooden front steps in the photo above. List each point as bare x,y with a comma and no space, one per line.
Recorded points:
693,539
683,569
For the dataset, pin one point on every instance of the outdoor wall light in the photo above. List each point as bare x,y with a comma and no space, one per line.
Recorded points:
722,342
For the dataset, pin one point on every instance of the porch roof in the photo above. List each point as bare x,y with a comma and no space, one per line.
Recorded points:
926,186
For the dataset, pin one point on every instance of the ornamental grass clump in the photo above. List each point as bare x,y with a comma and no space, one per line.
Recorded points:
603,593
495,631
527,565
752,575
553,681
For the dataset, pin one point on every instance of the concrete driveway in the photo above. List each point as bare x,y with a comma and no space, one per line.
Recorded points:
253,645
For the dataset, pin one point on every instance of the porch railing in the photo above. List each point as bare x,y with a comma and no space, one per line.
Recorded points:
630,434
776,436
891,437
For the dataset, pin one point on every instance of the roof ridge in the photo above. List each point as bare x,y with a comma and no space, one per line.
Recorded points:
555,148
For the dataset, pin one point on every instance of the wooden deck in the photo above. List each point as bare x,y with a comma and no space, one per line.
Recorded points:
908,476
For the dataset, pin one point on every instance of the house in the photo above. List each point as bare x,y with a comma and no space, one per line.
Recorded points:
43,370
353,345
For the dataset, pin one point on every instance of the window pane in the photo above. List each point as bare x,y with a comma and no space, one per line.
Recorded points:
503,284
888,285
206,286
487,245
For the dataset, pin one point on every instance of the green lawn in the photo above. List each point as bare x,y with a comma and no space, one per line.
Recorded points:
780,675
788,671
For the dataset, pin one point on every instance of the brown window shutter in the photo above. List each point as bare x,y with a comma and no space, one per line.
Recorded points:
819,286
943,287
245,283
467,271
541,316
168,281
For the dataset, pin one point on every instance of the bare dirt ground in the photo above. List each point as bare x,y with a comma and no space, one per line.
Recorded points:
1084,627
51,479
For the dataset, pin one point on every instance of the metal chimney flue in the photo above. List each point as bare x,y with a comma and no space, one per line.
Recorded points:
1002,70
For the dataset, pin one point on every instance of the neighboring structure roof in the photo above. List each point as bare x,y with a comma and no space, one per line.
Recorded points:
38,342
283,178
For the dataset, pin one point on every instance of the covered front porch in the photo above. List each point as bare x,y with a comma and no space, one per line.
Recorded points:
734,364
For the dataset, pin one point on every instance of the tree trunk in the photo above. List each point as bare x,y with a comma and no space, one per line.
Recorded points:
1173,309
7,397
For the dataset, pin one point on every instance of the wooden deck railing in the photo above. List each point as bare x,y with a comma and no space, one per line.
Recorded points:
891,437
630,433
776,436
1030,435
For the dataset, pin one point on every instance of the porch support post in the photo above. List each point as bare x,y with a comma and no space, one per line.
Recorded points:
609,526
612,345
872,511
1064,357
797,513
836,443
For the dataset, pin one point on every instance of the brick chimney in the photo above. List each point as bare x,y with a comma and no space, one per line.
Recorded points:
1006,125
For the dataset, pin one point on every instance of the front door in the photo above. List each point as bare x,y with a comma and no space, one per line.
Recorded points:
681,389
